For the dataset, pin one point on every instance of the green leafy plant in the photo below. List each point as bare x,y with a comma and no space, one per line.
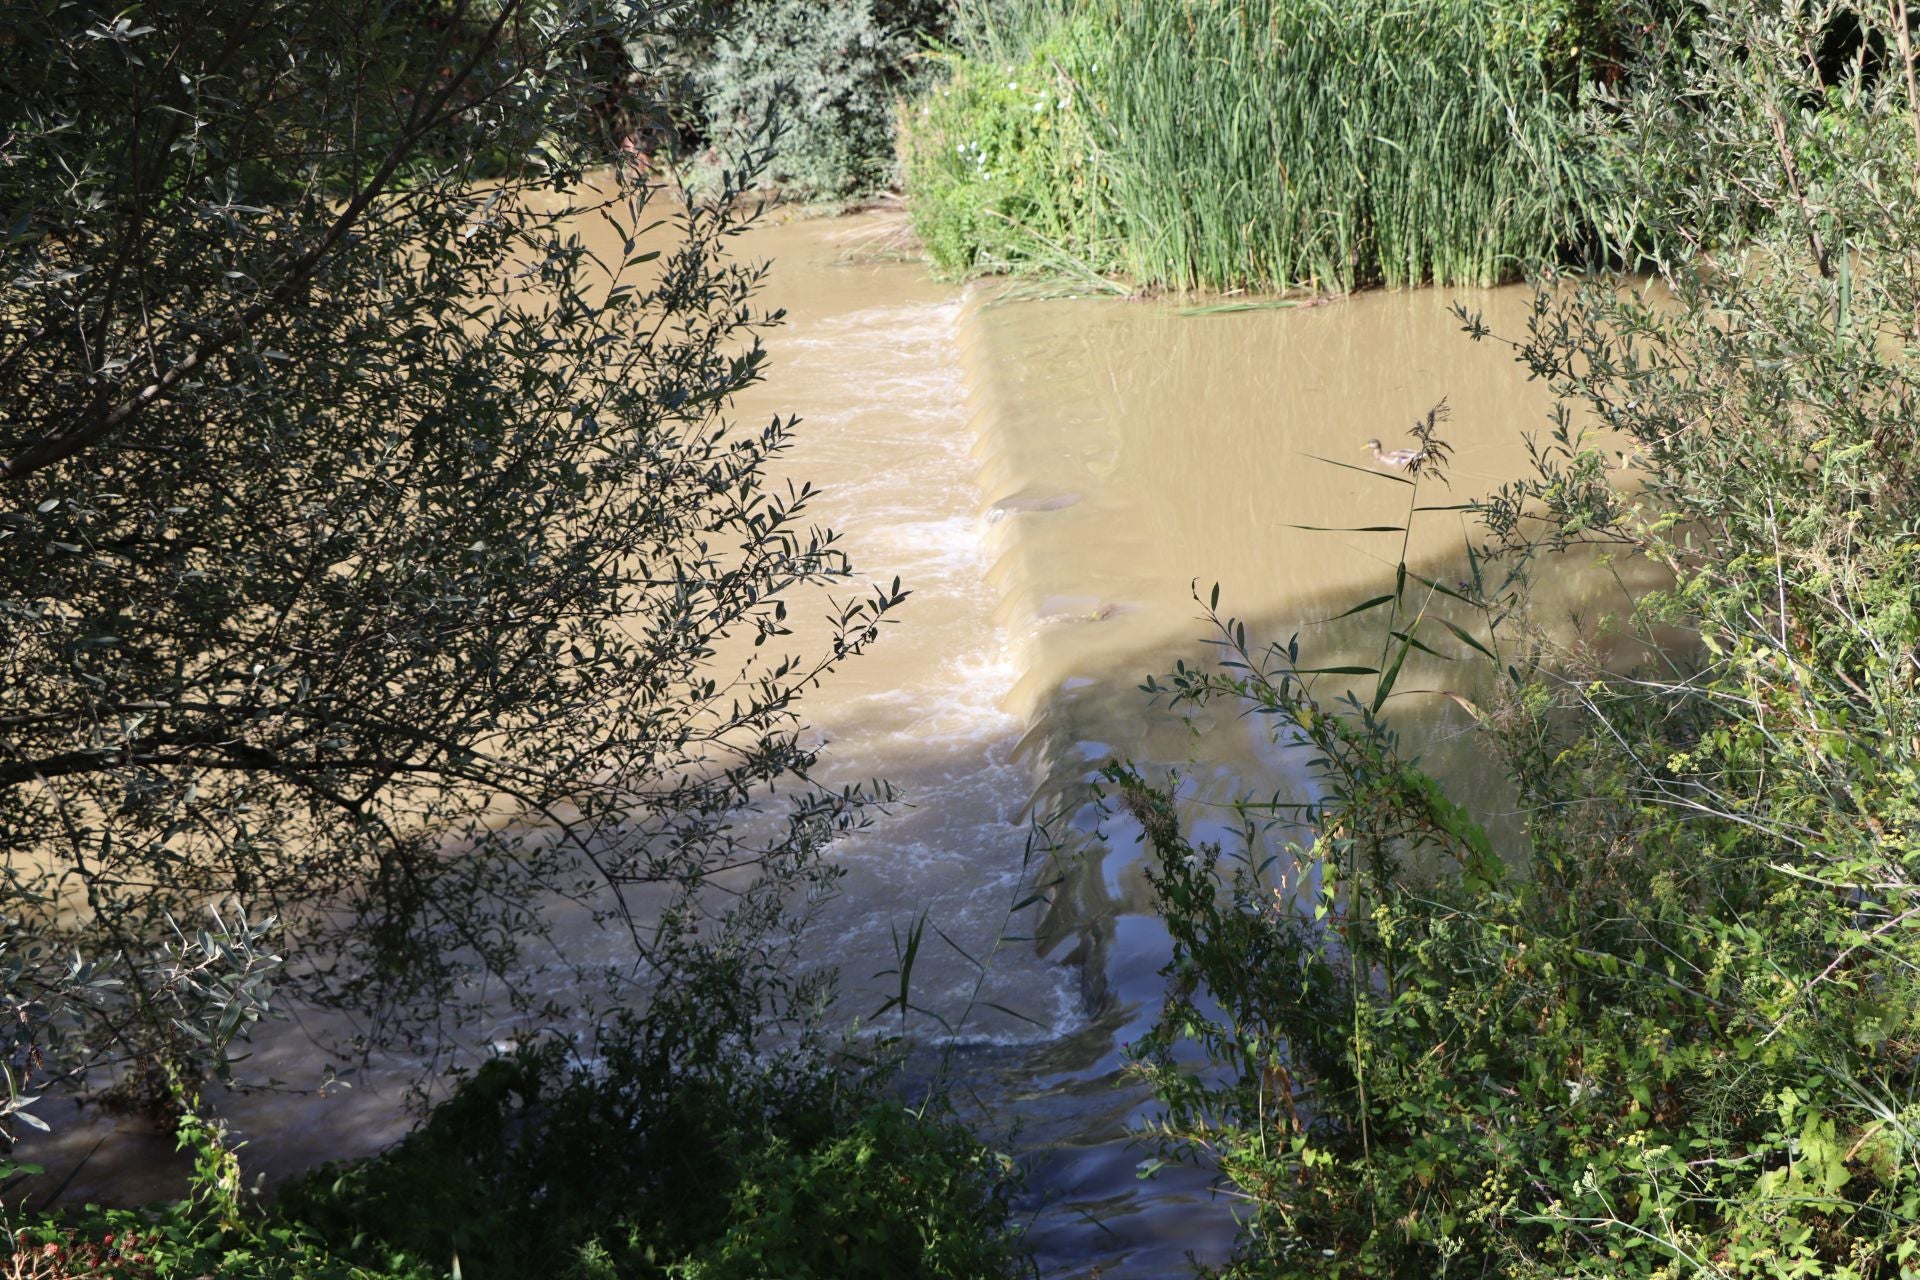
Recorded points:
997,167
829,76
1680,1036
674,1154
897,1192
215,1230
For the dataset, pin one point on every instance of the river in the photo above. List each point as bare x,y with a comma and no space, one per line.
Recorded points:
1052,480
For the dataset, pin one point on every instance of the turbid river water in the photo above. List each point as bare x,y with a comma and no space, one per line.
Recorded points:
1051,479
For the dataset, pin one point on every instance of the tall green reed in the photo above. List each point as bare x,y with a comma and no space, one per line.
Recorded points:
1277,143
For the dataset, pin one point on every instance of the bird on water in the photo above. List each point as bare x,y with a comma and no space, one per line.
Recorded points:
1398,459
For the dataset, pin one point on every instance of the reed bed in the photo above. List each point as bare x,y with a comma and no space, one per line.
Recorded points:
1216,144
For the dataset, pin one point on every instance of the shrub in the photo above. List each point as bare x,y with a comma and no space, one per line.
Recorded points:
681,1145
829,74
665,1160
894,1193
997,162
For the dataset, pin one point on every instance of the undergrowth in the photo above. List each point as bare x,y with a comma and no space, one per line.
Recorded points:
829,75
655,1161
641,1167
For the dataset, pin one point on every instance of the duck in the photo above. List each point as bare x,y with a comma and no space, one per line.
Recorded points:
1398,459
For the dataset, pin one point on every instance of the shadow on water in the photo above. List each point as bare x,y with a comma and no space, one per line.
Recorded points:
1129,457
1081,1111
1051,479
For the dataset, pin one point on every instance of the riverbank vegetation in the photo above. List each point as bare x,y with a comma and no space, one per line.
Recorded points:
1262,143
828,77
657,1163
325,579
1679,1033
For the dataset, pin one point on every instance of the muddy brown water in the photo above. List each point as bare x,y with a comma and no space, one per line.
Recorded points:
1053,480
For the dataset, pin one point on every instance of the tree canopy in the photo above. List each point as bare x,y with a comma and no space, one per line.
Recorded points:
370,549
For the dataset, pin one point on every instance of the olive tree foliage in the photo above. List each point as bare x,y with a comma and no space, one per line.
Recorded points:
212,984
373,550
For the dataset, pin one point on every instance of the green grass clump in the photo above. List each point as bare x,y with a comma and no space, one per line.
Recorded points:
1265,143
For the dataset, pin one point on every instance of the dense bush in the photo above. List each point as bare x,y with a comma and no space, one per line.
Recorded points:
998,166
893,1193
665,1159
830,75
1684,1040
661,1159
1263,142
